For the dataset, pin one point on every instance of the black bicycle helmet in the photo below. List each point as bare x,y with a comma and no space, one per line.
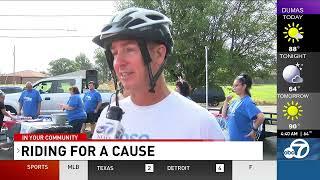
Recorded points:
142,25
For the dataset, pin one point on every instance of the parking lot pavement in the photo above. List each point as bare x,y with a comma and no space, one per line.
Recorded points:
271,109
6,154
270,148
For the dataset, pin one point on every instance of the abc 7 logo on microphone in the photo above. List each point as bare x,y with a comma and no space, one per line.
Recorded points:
299,149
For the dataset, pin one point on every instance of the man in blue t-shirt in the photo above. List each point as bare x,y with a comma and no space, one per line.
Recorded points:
92,103
30,102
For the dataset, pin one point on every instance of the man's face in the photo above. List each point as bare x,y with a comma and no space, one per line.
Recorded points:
128,64
29,86
91,86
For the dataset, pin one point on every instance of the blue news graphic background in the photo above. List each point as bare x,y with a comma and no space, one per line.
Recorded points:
298,170
314,144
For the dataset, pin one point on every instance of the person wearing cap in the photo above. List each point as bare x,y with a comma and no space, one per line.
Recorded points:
92,103
30,102
137,44
3,111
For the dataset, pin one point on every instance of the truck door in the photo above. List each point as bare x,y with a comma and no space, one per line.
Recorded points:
53,93
45,88
61,95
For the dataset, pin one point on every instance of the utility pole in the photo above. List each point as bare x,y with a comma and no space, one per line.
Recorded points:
206,49
14,64
14,59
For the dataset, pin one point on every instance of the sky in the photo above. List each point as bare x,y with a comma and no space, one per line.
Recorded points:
21,19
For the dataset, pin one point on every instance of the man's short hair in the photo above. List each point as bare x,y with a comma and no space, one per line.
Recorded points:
29,83
92,82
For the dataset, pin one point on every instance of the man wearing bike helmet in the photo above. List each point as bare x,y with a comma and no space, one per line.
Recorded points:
137,43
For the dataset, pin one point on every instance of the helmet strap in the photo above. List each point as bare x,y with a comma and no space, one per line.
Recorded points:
147,61
113,74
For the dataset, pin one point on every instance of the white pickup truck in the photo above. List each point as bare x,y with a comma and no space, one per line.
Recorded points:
55,90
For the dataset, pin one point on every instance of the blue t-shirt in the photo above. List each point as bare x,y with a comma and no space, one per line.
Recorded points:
91,99
78,112
241,114
29,100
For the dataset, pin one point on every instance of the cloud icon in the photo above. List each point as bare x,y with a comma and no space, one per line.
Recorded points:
297,79
299,36
290,73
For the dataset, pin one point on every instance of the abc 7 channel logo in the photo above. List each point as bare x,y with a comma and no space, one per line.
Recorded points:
299,149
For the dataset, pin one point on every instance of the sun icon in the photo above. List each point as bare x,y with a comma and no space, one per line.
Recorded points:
292,110
293,32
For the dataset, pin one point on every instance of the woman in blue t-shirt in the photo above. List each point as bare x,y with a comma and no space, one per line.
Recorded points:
243,116
75,110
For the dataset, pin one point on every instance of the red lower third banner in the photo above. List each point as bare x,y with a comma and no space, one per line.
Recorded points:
29,170
50,137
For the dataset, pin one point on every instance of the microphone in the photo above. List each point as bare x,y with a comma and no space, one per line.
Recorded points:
109,127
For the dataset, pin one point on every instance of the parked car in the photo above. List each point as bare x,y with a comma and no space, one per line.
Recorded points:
215,95
11,89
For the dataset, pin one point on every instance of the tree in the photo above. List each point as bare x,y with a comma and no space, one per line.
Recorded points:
82,62
240,36
64,65
61,66
101,65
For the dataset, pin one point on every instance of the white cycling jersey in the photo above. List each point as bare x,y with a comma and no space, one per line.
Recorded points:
175,117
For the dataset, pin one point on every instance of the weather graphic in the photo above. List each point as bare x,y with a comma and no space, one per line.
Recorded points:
291,73
292,110
293,32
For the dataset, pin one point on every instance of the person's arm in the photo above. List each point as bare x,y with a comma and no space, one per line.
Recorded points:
39,108
258,118
256,125
99,103
39,102
66,107
4,112
98,107
19,109
71,105
225,106
20,104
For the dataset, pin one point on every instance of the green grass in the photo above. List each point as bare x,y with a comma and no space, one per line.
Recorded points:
262,94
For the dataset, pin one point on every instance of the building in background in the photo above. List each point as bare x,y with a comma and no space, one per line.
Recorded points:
21,77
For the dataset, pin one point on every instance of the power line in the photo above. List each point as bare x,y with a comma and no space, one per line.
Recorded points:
38,37
35,29
54,15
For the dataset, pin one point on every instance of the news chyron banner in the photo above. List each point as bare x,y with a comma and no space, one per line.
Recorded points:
81,158
298,54
78,147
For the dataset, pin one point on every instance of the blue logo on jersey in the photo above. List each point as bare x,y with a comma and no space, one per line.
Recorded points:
135,136
106,128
